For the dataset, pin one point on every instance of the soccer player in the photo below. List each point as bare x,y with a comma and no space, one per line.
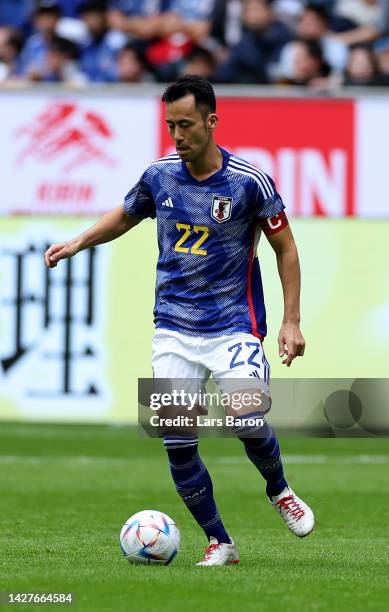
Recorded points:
211,207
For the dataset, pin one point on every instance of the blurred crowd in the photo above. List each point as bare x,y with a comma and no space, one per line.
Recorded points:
317,44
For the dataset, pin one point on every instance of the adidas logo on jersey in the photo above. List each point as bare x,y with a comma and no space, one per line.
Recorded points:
168,202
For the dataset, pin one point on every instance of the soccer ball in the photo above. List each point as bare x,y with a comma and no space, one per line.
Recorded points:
149,537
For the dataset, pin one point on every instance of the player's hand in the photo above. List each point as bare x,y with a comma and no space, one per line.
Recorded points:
291,343
61,250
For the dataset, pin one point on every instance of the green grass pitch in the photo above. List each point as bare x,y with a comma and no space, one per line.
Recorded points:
65,492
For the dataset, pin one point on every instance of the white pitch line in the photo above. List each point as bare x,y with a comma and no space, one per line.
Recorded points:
81,460
310,459
223,460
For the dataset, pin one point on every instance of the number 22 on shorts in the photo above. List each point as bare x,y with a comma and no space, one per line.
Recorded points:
237,349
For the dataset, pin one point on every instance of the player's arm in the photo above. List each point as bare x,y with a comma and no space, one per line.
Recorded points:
112,225
172,23
140,27
290,339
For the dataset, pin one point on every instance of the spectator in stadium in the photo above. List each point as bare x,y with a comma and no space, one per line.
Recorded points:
193,18
361,12
181,25
367,16
308,66
136,18
33,56
201,62
10,46
249,41
314,24
288,11
61,64
98,55
381,50
131,66
362,68
254,57
226,29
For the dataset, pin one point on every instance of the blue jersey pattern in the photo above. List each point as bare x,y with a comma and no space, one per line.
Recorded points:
208,275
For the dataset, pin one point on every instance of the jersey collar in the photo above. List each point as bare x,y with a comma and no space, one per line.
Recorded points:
215,176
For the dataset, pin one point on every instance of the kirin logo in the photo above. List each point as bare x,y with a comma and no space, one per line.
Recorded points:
68,133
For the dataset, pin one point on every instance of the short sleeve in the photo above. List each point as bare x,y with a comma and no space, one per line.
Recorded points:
139,201
269,202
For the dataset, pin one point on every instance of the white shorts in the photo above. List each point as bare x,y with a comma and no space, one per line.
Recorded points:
239,356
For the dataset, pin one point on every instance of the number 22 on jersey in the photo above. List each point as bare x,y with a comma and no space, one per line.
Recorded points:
195,249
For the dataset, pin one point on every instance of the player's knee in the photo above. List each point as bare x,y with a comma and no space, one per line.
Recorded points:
252,426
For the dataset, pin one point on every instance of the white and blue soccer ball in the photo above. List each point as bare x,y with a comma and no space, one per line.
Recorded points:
150,537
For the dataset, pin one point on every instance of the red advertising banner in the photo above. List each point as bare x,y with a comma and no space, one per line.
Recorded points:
67,154
307,146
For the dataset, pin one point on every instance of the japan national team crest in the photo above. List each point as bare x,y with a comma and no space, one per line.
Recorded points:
221,208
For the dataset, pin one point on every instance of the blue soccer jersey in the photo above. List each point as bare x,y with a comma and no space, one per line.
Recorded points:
208,275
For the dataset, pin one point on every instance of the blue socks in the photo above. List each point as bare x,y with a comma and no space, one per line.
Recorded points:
194,486
264,452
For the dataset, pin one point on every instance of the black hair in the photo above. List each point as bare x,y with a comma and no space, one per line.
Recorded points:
313,47
320,11
15,41
138,52
200,53
47,7
315,50
364,46
92,6
201,89
64,46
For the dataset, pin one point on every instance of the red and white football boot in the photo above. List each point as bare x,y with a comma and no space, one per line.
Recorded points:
219,554
297,515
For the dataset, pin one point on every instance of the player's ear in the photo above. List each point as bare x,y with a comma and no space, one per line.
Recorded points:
212,121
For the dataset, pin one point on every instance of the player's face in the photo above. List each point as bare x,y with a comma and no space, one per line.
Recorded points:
190,129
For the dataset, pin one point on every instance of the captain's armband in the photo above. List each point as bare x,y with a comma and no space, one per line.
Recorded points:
275,224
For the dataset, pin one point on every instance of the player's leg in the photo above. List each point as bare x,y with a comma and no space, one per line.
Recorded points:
194,485
262,448
241,358
240,365
174,358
